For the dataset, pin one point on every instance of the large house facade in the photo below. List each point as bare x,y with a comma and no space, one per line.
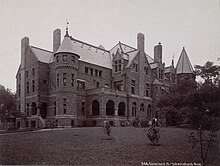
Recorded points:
78,84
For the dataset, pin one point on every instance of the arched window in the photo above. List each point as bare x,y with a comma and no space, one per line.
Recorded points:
110,107
121,109
134,109
95,107
149,113
142,107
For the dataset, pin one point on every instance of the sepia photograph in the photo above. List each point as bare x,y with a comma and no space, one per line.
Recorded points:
110,82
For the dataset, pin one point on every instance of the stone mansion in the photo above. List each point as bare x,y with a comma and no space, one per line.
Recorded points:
79,84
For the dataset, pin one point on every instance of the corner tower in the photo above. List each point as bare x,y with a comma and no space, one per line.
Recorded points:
184,69
66,71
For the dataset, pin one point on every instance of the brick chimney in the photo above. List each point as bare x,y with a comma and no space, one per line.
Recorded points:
140,42
56,39
158,53
24,45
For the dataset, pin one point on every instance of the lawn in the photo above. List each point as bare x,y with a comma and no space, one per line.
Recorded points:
90,146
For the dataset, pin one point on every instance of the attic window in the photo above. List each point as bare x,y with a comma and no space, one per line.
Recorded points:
118,65
64,58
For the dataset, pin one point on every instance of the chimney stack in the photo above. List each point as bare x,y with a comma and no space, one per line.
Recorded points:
140,42
56,40
24,45
158,53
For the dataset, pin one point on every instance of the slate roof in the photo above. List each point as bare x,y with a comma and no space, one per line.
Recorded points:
42,55
91,54
184,65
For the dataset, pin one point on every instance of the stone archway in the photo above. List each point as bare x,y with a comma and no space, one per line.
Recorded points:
110,107
121,109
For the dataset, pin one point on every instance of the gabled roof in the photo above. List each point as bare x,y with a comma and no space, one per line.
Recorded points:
154,65
42,55
122,48
157,82
131,56
150,60
184,65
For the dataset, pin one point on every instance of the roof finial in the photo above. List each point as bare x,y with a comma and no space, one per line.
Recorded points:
67,28
173,59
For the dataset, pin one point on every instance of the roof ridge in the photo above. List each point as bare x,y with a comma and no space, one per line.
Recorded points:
41,49
128,46
131,51
73,39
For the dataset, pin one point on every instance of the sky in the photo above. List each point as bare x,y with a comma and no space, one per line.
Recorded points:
193,24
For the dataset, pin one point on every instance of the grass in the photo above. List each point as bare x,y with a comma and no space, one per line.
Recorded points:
90,146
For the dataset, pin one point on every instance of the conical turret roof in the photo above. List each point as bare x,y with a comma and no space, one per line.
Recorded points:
66,46
184,65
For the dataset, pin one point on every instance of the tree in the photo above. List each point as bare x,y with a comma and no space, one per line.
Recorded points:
7,103
208,72
177,101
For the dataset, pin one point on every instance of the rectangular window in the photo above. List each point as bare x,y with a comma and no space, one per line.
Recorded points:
64,106
33,85
55,108
27,74
97,84
133,87
19,76
132,90
91,72
45,81
33,71
136,68
116,66
96,73
57,58
28,87
86,70
118,85
146,70
100,73
73,59
64,79
64,58
19,89
119,65
147,89
81,85
58,80
72,80
83,107
28,111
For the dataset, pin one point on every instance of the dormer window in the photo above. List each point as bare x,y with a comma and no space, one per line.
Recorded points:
118,65
64,58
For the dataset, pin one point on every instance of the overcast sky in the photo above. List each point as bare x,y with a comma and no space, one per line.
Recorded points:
194,24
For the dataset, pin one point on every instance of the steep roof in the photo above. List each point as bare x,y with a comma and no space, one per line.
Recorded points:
184,65
66,46
131,56
91,54
42,55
